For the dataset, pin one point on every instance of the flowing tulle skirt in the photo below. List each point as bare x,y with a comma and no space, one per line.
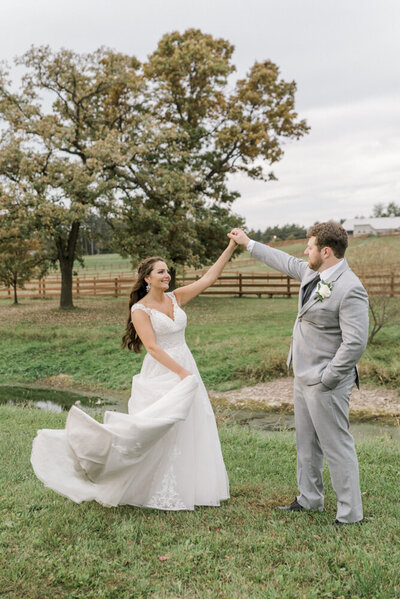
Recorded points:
164,454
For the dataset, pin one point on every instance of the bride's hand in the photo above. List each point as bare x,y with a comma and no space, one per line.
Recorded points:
232,244
184,373
239,236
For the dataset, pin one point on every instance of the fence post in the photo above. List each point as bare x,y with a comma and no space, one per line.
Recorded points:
94,286
77,286
240,285
116,287
288,287
44,288
392,284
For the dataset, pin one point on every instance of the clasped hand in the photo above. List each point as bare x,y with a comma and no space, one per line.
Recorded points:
239,236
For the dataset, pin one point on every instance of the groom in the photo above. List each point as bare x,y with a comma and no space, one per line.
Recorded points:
329,337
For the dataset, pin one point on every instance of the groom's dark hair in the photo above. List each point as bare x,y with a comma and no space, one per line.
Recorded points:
330,235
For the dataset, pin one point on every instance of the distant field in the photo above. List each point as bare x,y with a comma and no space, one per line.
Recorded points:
371,252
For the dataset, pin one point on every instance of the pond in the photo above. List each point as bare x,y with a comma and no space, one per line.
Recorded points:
53,399
266,422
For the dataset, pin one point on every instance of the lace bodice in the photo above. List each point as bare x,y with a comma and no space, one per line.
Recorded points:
169,332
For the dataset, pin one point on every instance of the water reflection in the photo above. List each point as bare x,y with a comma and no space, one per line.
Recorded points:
272,422
50,399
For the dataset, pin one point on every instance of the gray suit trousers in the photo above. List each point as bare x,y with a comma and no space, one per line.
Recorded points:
322,429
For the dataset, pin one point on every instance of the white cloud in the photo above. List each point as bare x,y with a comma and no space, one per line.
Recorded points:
348,163
343,56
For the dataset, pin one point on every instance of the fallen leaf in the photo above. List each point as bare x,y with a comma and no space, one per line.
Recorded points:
162,558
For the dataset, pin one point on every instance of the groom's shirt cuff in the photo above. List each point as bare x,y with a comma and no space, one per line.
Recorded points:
250,245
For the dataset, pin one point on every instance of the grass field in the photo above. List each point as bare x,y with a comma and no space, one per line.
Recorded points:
234,341
52,548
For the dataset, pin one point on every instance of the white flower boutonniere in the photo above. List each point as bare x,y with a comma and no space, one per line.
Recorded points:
324,290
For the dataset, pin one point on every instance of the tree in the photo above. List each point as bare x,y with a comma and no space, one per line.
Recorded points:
149,146
384,309
174,190
23,255
59,134
392,209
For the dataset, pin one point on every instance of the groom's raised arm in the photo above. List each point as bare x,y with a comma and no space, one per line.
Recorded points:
294,267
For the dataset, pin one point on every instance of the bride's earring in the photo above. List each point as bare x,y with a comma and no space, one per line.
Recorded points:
148,287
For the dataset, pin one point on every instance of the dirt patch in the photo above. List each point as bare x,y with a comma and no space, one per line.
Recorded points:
58,381
277,395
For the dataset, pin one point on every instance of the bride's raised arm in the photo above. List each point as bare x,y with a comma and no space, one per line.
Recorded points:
188,292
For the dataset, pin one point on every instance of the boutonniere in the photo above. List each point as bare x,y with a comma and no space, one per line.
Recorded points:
324,290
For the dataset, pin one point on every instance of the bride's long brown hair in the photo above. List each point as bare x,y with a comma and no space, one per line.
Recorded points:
131,339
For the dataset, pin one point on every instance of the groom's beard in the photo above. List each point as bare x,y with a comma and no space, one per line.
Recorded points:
315,264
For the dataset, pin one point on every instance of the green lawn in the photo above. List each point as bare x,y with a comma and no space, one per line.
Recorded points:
53,548
234,341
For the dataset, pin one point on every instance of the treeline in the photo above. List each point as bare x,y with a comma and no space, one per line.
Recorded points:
278,233
391,209
96,236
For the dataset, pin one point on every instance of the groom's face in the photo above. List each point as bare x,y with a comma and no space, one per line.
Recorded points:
313,254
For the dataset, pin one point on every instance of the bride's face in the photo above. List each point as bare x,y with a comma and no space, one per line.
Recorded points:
159,277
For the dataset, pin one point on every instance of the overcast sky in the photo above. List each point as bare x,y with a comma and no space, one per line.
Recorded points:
343,54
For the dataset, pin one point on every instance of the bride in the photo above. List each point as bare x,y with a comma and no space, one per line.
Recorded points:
165,453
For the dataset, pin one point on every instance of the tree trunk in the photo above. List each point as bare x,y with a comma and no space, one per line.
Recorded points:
172,283
15,290
66,284
66,256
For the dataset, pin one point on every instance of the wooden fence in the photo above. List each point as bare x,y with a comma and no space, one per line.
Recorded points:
237,285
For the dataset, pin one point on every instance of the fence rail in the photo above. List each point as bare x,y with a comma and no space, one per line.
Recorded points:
237,285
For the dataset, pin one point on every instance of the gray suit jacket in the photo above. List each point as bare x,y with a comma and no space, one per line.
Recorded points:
329,336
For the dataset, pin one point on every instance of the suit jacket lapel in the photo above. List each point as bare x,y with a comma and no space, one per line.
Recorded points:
308,277
313,299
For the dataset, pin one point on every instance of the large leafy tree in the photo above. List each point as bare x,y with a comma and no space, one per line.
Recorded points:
175,190
151,146
60,130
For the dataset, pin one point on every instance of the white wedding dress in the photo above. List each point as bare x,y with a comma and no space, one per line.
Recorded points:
164,454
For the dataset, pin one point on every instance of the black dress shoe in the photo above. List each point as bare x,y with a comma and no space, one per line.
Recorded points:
339,523
293,507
